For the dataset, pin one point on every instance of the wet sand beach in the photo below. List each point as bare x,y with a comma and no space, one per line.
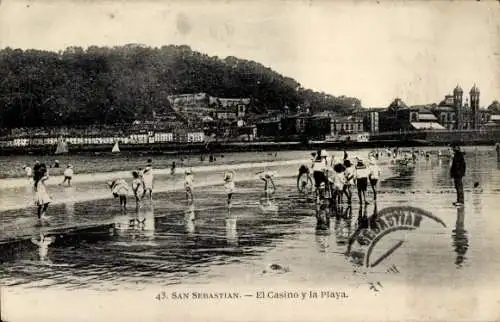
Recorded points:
259,246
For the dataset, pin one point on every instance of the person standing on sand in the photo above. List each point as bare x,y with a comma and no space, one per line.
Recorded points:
188,185
373,176
457,172
137,187
68,175
362,173
29,173
350,172
41,198
229,185
147,178
36,169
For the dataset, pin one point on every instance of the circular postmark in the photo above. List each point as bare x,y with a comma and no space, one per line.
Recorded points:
370,232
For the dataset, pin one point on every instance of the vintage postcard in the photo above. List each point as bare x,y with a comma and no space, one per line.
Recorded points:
248,161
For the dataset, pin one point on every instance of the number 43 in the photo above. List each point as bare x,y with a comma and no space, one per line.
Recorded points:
161,296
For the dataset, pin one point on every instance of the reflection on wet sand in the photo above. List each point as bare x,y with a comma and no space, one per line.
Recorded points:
323,214
139,225
232,231
189,219
268,205
362,221
343,227
322,240
145,222
460,238
43,243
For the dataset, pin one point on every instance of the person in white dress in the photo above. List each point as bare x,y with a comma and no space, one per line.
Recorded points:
41,196
120,189
137,187
147,177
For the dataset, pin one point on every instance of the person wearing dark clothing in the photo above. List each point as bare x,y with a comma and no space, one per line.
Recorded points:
457,172
36,170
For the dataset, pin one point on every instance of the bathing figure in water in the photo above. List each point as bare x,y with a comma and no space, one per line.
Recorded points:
120,189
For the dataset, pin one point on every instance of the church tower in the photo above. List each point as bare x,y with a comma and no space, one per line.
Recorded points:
457,104
474,104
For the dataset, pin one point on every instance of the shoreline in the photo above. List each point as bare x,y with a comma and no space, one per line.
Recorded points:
10,183
227,147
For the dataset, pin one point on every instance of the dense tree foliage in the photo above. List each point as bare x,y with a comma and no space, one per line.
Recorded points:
120,84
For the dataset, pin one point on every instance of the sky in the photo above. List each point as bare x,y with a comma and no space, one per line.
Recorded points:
374,50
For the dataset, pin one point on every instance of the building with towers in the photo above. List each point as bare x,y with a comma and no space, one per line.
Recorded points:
455,114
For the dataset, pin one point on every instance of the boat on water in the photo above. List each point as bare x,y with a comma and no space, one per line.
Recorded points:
62,147
116,148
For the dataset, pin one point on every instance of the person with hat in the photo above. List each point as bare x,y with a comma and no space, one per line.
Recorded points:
120,189
229,185
188,185
457,172
320,169
362,173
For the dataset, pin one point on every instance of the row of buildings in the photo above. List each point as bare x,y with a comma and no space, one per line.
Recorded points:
200,117
452,114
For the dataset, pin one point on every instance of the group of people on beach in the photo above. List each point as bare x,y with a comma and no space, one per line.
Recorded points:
339,175
142,185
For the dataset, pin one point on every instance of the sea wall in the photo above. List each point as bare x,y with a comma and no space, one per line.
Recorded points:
402,139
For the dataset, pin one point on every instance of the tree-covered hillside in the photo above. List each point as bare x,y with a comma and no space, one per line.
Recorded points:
116,85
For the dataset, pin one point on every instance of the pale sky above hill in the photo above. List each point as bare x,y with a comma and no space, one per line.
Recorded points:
416,50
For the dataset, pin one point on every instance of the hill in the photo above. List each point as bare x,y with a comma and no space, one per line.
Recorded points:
120,84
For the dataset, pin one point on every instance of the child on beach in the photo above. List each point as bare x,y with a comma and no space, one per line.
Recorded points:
137,187
229,185
172,168
188,185
41,198
338,182
147,178
68,175
29,173
119,188
373,176
267,177
362,173
349,174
